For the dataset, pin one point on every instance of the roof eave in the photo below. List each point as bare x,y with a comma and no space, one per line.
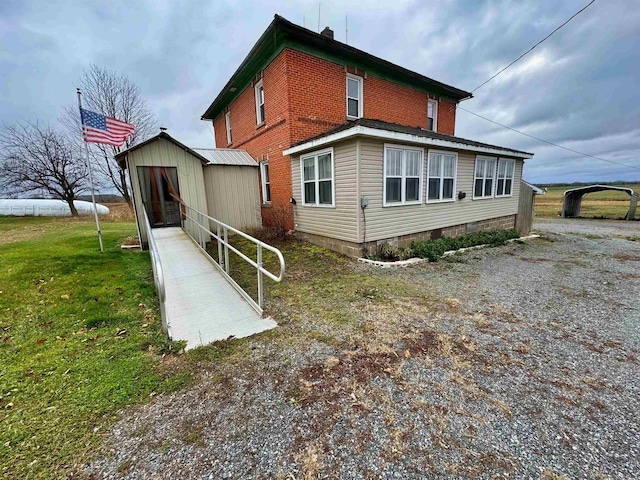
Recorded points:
390,135
282,29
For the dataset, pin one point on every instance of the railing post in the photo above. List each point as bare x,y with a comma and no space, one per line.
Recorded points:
259,262
226,251
219,245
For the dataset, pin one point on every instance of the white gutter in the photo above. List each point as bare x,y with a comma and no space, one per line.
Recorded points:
398,137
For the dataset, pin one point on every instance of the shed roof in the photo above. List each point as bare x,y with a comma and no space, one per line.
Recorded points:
208,156
227,156
393,131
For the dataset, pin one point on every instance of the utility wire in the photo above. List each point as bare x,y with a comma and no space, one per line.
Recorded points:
528,51
548,142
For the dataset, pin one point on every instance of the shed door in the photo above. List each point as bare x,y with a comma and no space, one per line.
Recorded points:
157,185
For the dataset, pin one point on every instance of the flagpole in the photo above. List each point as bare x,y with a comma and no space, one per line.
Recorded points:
93,196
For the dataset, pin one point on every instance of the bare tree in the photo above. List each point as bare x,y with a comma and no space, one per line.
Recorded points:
115,95
38,158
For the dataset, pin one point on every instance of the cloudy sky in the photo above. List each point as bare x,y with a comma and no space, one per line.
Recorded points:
581,88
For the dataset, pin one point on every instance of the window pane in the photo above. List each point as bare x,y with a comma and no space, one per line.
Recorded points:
491,166
434,165
430,124
261,95
262,112
500,186
267,193
394,162
353,107
265,172
502,168
324,166
412,188
393,189
507,188
477,191
353,88
309,172
447,189
510,166
325,192
434,189
430,110
448,166
310,192
413,164
488,187
480,168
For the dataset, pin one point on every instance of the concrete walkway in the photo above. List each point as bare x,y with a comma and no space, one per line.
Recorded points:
201,306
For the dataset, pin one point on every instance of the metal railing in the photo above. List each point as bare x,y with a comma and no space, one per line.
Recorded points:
203,222
158,274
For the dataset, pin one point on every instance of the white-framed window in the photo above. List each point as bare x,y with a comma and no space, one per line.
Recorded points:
483,177
317,176
259,90
354,96
227,121
402,175
504,180
432,115
266,182
441,176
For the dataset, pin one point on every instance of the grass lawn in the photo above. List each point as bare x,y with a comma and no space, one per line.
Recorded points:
608,204
80,337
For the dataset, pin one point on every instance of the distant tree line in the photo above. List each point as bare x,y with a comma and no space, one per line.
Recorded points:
42,159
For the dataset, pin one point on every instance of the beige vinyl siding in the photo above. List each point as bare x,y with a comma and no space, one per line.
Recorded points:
233,195
163,153
387,222
335,222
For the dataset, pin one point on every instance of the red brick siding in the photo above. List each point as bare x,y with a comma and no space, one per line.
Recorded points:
305,96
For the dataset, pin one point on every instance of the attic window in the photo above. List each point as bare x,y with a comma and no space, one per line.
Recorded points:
354,96
259,90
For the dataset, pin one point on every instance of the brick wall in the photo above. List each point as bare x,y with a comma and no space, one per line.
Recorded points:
305,96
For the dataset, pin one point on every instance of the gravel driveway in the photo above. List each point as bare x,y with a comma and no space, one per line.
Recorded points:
516,362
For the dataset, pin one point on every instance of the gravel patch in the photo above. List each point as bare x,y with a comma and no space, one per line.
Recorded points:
522,362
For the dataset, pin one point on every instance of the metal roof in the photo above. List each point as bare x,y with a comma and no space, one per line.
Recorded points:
226,156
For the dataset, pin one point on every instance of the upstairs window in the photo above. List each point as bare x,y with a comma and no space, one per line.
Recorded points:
259,103
354,96
266,183
317,179
483,178
441,176
227,121
432,115
504,182
402,175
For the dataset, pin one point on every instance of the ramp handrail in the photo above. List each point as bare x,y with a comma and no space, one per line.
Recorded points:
202,221
158,274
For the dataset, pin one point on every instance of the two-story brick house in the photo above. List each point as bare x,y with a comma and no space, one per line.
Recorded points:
355,150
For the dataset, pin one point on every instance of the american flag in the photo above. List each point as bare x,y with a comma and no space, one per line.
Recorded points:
98,128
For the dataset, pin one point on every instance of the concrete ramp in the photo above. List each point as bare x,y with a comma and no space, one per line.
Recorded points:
200,305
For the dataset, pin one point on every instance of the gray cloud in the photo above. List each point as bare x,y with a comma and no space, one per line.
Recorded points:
579,88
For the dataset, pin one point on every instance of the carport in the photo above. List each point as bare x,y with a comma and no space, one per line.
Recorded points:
573,199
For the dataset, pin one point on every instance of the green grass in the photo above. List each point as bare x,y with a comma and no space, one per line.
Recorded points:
607,204
80,338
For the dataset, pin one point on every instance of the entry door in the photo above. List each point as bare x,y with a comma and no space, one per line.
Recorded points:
157,184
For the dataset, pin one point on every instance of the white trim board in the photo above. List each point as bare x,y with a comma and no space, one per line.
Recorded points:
397,137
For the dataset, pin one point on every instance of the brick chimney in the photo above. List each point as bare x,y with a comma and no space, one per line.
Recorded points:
327,32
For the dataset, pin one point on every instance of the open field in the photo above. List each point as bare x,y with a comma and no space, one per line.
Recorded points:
80,338
595,205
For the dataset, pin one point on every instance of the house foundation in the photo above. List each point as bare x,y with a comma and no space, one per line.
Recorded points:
353,249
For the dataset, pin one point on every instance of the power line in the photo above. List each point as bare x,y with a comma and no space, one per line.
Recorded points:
528,51
548,142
